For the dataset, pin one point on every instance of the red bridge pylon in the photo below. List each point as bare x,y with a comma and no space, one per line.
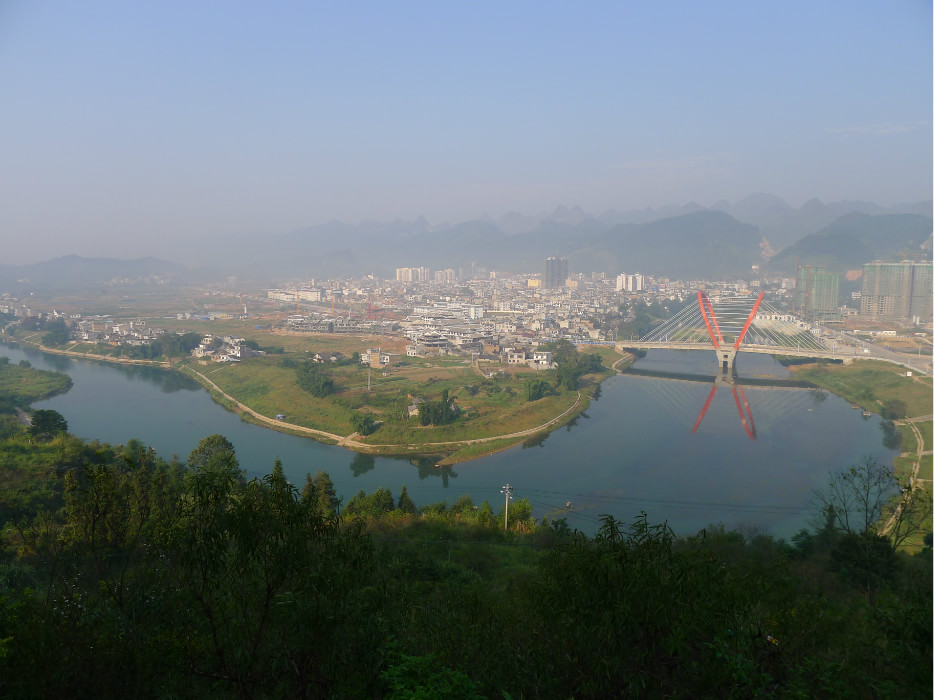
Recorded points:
725,354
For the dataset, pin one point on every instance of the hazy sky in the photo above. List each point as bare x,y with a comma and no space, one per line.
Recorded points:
127,128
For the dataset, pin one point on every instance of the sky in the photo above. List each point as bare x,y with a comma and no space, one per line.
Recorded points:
130,128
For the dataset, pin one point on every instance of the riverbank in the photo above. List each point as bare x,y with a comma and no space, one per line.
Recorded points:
460,450
455,450
900,395
844,381
22,385
163,364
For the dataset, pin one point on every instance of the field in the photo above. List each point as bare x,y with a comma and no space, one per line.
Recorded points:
491,398
871,384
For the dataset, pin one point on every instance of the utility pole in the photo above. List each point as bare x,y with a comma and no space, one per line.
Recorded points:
507,489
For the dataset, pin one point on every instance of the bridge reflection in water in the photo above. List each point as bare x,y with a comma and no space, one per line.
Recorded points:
745,413
677,393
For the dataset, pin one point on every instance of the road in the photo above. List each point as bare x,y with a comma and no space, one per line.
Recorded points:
914,361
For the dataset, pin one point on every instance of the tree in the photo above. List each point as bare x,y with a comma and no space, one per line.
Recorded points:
357,504
319,489
328,501
536,389
464,504
363,423
214,452
383,502
520,514
406,504
46,423
57,333
440,412
485,514
911,510
189,341
865,558
893,409
868,499
857,496
316,380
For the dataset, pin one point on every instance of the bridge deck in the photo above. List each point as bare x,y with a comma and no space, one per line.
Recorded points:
840,353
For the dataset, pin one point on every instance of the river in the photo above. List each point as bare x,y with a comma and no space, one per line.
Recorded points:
632,450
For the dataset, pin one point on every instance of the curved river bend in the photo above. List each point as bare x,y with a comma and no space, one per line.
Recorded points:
633,449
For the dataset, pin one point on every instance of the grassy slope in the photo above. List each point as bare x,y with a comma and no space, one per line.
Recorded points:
871,383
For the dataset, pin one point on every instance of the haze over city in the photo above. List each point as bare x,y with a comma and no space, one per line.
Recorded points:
132,130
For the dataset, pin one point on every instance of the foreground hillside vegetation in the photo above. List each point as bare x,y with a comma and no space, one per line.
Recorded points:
122,575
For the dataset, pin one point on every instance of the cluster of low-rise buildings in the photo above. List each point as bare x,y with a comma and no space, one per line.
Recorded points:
502,315
474,311
224,349
109,332
510,315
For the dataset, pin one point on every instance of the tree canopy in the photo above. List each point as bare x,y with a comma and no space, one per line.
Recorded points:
45,423
315,379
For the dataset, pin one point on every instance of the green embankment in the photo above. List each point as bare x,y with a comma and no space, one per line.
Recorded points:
871,384
489,406
22,385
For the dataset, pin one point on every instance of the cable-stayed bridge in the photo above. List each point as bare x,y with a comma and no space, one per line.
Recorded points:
726,325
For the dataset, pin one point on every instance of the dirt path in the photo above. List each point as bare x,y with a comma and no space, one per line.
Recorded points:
23,416
104,358
913,479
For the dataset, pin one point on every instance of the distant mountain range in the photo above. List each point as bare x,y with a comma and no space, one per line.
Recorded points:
854,239
679,241
687,242
72,272
778,221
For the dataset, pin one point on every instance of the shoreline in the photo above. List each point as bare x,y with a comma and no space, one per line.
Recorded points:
449,449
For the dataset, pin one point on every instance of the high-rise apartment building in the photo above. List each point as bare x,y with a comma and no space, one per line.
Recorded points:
470,271
556,272
448,276
412,274
817,294
895,291
630,283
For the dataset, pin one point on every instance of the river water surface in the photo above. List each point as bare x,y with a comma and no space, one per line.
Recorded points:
632,450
